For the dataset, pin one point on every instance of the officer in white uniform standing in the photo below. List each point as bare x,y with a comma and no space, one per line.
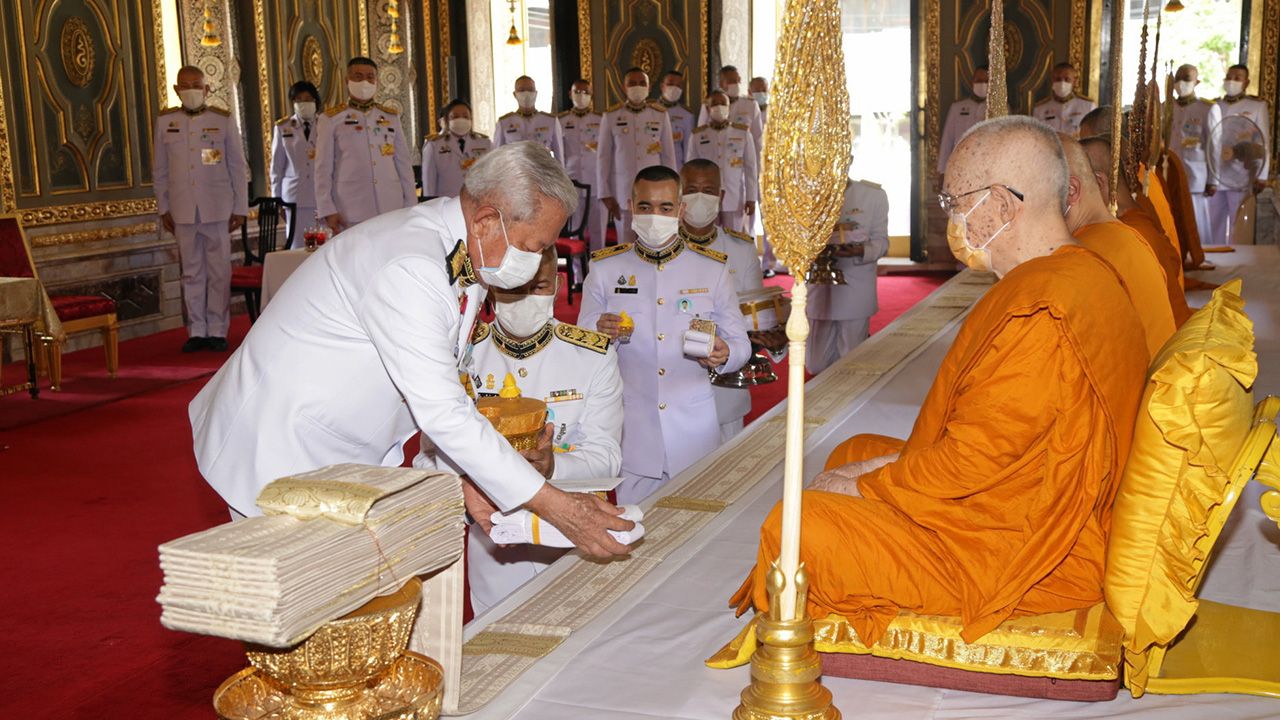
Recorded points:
669,93
366,342
293,155
202,195
635,135
362,156
528,122
580,136
446,157
840,315
743,109
1065,109
667,289
730,146
1191,121
1224,203
962,115
573,370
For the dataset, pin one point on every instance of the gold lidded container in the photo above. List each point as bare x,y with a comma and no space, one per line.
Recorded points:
519,419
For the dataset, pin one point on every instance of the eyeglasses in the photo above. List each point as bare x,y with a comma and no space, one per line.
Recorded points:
948,201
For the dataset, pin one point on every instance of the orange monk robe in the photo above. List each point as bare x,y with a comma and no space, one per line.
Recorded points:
999,502
1138,267
1163,211
1178,189
1170,263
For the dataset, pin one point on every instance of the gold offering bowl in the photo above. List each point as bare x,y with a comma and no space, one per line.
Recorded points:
339,661
520,420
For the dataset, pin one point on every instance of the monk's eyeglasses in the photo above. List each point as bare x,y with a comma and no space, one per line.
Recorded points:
948,201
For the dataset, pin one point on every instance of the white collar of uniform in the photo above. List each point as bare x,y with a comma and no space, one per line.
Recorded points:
451,214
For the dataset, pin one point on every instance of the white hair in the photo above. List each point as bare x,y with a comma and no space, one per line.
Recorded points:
1050,169
513,176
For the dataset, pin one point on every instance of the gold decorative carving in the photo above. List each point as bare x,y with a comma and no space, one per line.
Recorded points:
77,51
264,78
933,83
1271,49
428,62
584,39
704,32
648,57
83,236
446,49
1075,51
57,215
997,54
8,199
312,61
364,27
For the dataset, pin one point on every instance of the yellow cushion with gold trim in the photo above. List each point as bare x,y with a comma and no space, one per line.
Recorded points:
1197,410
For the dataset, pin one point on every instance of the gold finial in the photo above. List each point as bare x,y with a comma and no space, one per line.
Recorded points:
210,37
509,388
394,47
997,84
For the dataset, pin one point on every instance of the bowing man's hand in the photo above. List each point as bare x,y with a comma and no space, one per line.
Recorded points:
478,505
543,457
584,519
719,355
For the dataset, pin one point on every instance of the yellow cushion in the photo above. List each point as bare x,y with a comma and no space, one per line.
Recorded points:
1196,412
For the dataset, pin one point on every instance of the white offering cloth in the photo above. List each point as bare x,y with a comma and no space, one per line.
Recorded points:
524,528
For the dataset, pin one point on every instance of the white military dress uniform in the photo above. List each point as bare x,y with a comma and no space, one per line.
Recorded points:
631,139
669,414
534,125
1063,116
733,404
731,147
1225,202
681,119
359,350
962,115
840,315
447,157
1191,121
201,180
580,137
576,373
743,110
293,155
362,163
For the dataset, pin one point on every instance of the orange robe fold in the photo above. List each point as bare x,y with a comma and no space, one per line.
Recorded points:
999,502
1178,192
1170,263
1144,281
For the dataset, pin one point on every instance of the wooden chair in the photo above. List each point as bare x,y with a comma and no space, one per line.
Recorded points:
71,313
247,278
572,246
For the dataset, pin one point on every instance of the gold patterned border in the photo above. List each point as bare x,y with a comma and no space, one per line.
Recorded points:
584,40
428,60
157,35
1270,51
83,212
71,238
8,198
704,32
1076,49
264,82
932,71
364,26
1095,50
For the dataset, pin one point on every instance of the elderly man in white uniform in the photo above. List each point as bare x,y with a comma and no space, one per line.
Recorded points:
635,135
667,289
528,122
293,155
580,136
669,93
1225,203
446,157
576,373
962,115
730,146
1191,120
743,109
702,191
1064,110
362,156
365,344
840,315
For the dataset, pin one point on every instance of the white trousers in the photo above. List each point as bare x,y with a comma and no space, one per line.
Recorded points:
1222,214
732,405
635,488
830,340
306,218
1204,221
495,572
205,253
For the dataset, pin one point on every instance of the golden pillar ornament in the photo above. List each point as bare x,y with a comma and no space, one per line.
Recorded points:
997,82
1117,94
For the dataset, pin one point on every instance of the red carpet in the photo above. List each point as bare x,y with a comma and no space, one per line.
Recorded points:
89,495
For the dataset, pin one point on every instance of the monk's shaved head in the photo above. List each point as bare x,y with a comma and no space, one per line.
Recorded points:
1088,206
1016,151
1099,151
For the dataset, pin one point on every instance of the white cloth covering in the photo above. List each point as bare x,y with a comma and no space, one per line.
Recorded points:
523,527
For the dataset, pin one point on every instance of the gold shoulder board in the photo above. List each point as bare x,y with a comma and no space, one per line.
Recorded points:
740,126
740,235
582,337
167,111
479,135
480,332
609,252
657,105
284,120
868,183
713,254
562,113
218,110
388,110
432,137
334,110
615,107
504,117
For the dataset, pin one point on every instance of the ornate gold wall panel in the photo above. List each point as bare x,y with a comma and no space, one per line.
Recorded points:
584,38
1269,83
653,34
76,103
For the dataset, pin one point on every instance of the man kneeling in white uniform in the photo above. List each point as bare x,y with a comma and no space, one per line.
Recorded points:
576,372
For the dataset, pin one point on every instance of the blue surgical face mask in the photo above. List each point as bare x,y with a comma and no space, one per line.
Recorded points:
516,268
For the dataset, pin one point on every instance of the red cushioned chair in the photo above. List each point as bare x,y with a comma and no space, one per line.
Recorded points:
247,278
571,248
77,313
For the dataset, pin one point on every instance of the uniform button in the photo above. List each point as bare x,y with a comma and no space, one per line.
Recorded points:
662,371
662,336
660,268
662,406
661,301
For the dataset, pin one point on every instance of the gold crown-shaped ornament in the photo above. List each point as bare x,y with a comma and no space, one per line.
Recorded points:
519,419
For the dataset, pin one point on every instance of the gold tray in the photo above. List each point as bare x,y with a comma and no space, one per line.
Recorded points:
412,689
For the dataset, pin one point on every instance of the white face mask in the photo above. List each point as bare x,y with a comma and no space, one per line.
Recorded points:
655,231
516,268
581,100
1233,87
305,110
700,209
361,90
523,315
1062,88
1186,88
460,125
761,98
732,90
672,93
192,98
637,94
718,113
980,90
526,98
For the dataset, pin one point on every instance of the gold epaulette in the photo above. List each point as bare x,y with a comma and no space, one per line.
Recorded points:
504,117
284,120
582,337
479,332
1086,97
218,111
740,235
713,254
562,113
170,110
657,105
868,183
479,135
431,138
387,109
335,110
609,252
700,128
740,126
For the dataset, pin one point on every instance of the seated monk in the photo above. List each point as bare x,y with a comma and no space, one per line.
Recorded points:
1132,214
1094,227
999,502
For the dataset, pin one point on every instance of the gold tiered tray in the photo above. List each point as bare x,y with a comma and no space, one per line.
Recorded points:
519,419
